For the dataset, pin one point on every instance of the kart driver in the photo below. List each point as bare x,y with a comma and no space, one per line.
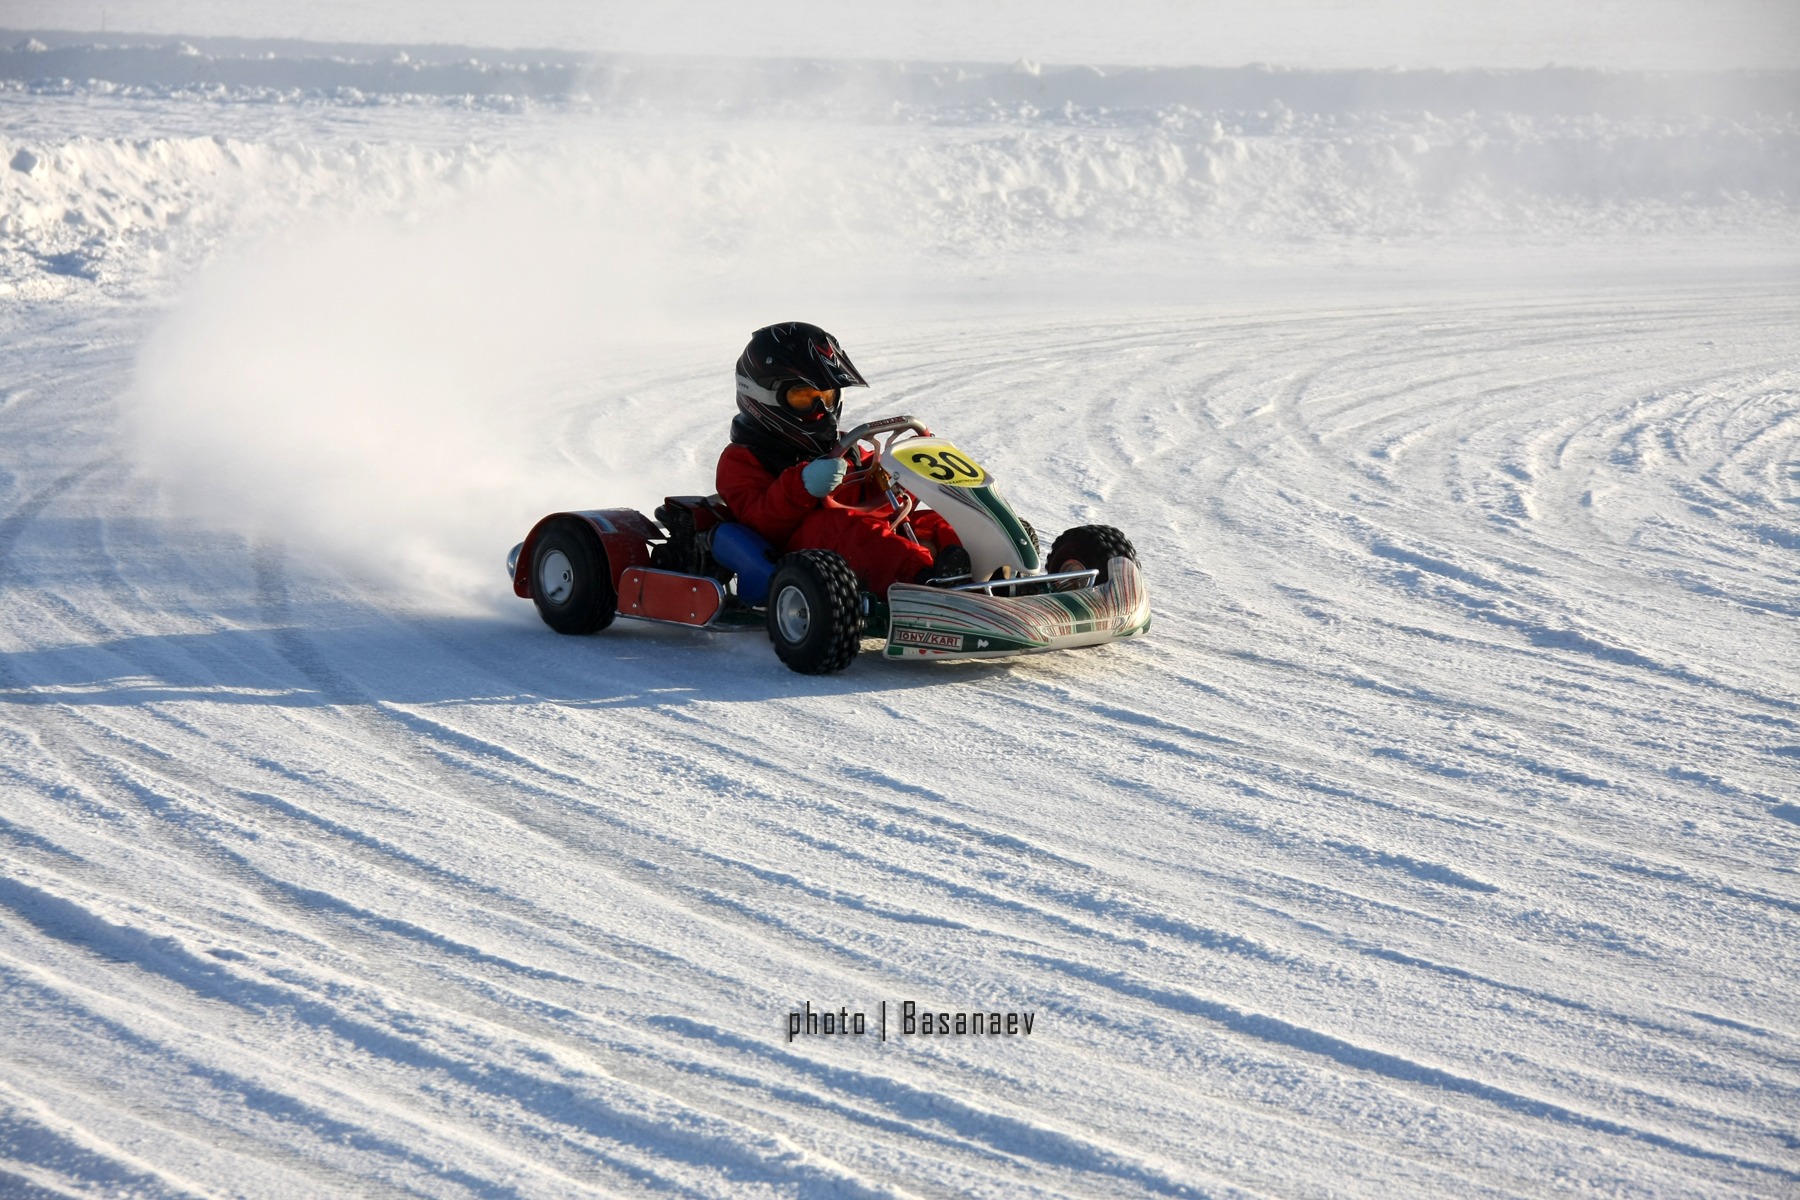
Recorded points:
782,475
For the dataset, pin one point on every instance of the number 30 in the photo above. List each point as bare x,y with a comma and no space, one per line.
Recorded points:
947,466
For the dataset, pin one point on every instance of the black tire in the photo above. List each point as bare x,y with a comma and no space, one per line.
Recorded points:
1031,533
1088,547
815,612
1037,545
571,582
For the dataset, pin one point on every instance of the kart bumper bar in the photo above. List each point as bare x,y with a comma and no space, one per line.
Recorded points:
1082,578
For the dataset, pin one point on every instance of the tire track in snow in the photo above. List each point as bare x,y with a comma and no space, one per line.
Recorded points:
341,690
298,907
14,524
1028,874
405,1048
1400,1069
825,947
1113,423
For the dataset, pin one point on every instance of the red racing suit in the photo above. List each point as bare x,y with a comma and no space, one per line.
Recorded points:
779,507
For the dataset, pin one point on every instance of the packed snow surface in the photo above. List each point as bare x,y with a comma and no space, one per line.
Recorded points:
1440,839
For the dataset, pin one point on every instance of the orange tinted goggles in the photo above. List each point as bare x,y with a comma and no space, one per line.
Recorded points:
801,397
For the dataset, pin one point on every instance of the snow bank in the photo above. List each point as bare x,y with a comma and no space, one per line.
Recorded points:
963,159
106,208
109,209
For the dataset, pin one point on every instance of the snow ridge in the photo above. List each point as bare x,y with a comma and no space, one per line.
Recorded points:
1040,157
110,209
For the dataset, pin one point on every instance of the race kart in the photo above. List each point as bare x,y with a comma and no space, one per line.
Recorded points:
695,566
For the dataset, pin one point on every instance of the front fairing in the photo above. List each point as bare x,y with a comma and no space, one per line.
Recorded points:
950,482
936,623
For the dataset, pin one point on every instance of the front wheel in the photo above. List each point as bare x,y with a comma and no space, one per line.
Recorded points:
815,612
1088,548
571,583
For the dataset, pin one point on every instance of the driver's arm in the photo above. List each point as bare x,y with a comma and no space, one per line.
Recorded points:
773,505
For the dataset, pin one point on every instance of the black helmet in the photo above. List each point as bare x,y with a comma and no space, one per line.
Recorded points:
790,358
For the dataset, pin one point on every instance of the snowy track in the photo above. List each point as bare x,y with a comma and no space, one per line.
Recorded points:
1440,838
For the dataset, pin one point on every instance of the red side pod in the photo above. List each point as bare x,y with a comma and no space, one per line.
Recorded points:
625,535
669,596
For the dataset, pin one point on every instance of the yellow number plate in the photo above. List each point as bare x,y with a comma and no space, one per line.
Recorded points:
942,463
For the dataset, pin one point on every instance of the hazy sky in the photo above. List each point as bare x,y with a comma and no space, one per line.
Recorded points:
1309,33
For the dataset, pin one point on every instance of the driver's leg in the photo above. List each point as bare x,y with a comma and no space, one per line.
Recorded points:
878,555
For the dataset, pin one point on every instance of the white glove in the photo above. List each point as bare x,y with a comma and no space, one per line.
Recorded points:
822,475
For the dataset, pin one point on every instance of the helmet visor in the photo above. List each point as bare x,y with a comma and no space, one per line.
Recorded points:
804,398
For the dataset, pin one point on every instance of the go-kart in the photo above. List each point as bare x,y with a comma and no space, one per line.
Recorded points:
695,566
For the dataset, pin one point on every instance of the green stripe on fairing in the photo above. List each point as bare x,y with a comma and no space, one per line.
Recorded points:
1078,606
989,498
972,643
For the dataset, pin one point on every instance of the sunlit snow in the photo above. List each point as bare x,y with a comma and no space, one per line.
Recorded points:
1440,838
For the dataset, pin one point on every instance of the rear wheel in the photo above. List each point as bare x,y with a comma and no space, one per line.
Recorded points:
815,612
571,583
1088,548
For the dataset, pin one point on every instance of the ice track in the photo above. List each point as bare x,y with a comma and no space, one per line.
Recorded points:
1440,840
